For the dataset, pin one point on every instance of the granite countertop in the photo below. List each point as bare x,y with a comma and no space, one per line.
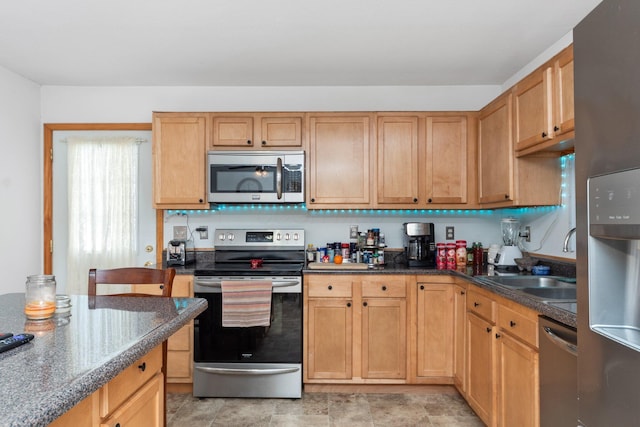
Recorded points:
73,356
481,279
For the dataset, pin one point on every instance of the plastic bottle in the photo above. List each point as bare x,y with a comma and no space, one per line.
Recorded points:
477,254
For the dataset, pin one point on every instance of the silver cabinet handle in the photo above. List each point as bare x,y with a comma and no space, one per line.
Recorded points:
279,178
562,343
247,372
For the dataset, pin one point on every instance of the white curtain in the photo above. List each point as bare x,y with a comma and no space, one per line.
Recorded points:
103,206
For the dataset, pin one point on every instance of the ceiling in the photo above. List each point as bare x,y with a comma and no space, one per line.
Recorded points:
279,42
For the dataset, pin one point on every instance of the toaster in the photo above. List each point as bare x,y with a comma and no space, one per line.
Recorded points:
177,253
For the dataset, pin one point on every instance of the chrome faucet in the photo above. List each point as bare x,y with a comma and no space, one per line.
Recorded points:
565,248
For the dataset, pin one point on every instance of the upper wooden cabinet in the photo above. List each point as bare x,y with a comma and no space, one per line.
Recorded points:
179,161
256,130
339,160
495,152
424,160
543,107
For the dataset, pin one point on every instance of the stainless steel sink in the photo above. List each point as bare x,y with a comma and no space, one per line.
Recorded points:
544,288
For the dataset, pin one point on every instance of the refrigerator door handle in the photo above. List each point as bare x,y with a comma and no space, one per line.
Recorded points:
562,343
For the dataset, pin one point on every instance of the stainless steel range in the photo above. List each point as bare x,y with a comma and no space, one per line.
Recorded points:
254,361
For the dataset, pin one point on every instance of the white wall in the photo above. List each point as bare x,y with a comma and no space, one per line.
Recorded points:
20,181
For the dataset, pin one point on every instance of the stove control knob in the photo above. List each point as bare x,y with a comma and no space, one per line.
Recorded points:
221,236
230,237
295,236
278,236
286,236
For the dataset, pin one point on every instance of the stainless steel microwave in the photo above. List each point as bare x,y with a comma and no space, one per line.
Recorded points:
256,176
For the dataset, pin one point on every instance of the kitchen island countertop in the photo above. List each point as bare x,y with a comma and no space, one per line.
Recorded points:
73,356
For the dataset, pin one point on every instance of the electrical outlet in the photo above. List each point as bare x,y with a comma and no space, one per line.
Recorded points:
449,231
353,232
179,232
204,232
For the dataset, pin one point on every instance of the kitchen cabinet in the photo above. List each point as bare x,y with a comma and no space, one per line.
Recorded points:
434,330
423,160
459,329
179,161
134,397
502,360
505,180
480,354
180,344
543,106
355,329
340,160
256,131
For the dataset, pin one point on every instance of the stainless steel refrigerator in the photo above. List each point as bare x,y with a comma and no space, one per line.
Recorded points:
607,146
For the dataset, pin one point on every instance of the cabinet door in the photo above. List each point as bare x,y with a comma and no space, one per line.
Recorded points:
339,161
517,378
435,330
446,162
398,161
564,116
533,106
495,152
280,131
84,414
329,338
459,328
480,378
384,338
232,131
179,161
144,408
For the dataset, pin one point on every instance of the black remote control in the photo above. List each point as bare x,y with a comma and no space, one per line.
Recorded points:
4,335
14,341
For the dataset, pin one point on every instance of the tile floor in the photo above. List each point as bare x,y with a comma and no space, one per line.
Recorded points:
440,409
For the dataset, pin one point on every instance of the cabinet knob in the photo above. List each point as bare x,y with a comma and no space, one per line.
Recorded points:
475,304
248,142
117,425
506,196
329,287
415,200
429,200
422,287
488,330
497,336
143,366
313,200
364,304
348,304
384,288
544,134
556,128
462,292
512,323
200,200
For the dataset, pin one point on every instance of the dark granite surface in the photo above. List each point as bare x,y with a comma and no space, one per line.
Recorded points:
71,357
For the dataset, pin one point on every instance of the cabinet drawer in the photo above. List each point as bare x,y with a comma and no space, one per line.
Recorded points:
330,286
519,325
384,286
115,392
481,305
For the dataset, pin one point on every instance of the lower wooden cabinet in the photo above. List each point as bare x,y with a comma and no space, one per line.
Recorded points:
180,344
459,334
502,360
355,329
134,397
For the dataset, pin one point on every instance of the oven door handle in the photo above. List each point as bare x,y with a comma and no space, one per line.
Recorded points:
218,284
247,372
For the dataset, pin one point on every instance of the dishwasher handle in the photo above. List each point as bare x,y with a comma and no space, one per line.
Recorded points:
560,342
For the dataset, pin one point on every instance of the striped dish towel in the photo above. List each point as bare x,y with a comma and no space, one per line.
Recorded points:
246,303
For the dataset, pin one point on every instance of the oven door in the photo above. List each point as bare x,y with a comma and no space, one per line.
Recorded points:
256,177
280,342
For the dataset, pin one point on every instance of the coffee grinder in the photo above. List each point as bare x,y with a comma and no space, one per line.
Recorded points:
419,244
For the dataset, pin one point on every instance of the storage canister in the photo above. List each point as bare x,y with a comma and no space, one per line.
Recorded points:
441,256
451,256
461,253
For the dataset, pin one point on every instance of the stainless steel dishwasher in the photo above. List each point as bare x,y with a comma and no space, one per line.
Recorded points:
558,374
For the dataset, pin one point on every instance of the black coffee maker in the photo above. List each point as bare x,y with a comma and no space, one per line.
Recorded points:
419,244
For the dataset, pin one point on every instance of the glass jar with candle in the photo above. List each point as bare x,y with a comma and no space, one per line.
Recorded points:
40,297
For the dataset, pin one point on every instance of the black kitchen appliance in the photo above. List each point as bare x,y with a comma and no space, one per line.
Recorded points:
257,361
419,244
177,253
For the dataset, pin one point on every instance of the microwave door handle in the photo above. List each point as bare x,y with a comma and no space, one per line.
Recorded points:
279,178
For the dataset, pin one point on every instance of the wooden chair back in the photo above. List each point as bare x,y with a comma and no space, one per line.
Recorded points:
154,280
